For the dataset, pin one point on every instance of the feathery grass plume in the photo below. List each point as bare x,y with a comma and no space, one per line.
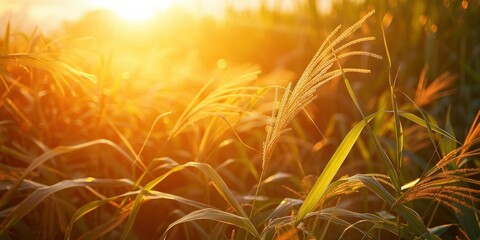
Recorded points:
222,101
440,87
318,72
443,184
472,136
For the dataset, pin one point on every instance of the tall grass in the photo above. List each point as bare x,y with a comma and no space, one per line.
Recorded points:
93,146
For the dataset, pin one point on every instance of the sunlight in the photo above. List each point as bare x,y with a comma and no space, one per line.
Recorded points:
137,11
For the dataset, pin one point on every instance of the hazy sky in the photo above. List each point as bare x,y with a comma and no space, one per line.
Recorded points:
48,14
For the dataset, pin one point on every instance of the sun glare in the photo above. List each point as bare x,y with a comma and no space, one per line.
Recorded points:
137,11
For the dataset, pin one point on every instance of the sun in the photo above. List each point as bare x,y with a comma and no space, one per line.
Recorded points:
137,10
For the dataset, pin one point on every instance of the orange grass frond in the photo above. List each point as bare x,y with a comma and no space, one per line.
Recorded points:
224,100
472,137
440,87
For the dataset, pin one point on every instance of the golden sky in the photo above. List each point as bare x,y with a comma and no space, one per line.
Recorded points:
49,14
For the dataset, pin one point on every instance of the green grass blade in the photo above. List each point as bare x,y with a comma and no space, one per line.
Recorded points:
468,220
378,221
446,144
393,98
439,230
428,125
24,207
133,215
318,190
215,215
285,207
392,173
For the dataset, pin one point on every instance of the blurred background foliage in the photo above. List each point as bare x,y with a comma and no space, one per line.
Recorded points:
442,35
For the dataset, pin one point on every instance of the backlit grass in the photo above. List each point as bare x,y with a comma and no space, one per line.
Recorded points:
164,136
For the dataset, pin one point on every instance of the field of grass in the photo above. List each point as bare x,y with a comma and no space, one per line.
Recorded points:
361,123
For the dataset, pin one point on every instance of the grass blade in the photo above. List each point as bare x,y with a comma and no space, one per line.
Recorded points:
216,215
392,173
428,125
206,169
40,194
51,154
153,195
318,190
446,144
393,98
415,223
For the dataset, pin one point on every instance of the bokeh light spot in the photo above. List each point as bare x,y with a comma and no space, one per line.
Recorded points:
387,20
222,63
422,19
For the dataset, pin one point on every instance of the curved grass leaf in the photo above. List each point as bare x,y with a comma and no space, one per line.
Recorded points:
423,123
152,195
24,207
378,221
415,223
51,154
468,220
318,190
285,207
216,215
387,163
447,145
439,230
46,62
104,228
336,215
206,169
